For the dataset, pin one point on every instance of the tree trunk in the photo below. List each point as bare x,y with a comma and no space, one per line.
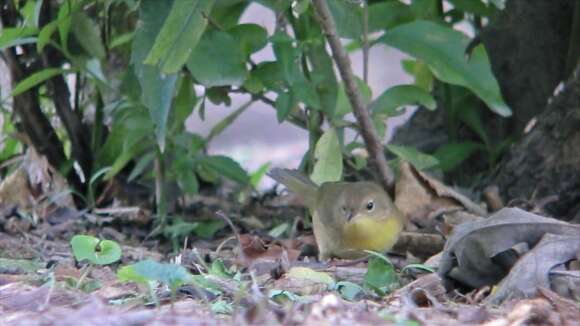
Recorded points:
545,163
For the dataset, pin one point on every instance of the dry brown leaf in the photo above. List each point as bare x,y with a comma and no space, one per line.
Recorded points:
422,198
532,271
471,255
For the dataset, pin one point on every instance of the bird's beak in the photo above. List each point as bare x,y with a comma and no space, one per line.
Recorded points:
349,214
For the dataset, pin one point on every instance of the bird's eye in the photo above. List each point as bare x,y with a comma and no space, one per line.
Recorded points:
370,206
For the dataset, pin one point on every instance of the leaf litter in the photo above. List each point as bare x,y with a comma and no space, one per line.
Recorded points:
511,268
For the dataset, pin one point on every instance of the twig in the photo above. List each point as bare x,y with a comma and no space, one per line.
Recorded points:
368,131
365,48
224,217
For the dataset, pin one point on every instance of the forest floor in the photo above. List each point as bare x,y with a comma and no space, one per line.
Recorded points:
261,270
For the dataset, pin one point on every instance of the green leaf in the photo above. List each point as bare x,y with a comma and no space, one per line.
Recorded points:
388,14
99,252
420,160
451,155
142,163
156,88
119,40
218,60
278,230
271,74
207,229
251,37
328,155
188,182
179,35
380,275
218,268
421,73
257,175
13,36
348,18
226,122
287,56
185,102
284,104
348,290
37,78
227,167
64,19
400,96
148,270
323,68
87,34
443,49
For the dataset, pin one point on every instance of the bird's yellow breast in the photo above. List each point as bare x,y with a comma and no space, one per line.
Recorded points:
365,233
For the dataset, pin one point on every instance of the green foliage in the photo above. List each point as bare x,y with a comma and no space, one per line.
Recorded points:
95,251
151,64
148,271
380,275
443,49
328,156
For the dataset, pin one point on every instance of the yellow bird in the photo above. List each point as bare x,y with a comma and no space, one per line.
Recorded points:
347,217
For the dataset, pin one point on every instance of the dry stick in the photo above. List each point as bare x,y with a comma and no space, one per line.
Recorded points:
368,131
226,219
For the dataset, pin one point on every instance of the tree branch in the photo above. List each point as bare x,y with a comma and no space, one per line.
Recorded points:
78,133
368,131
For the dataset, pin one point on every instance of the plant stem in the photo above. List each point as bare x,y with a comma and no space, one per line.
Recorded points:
368,131
87,270
365,48
160,201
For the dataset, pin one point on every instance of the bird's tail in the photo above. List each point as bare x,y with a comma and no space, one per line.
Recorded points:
297,183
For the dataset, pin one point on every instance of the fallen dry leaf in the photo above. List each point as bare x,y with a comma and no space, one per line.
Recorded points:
422,198
532,270
470,257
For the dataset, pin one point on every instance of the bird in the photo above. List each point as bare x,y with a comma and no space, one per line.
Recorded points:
347,217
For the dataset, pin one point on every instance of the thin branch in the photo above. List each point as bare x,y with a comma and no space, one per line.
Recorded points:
365,48
226,219
368,131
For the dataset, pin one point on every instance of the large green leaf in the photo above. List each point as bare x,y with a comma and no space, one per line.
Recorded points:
443,49
156,88
87,34
328,155
399,96
251,37
181,31
348,18
227,167
218,60
388,14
